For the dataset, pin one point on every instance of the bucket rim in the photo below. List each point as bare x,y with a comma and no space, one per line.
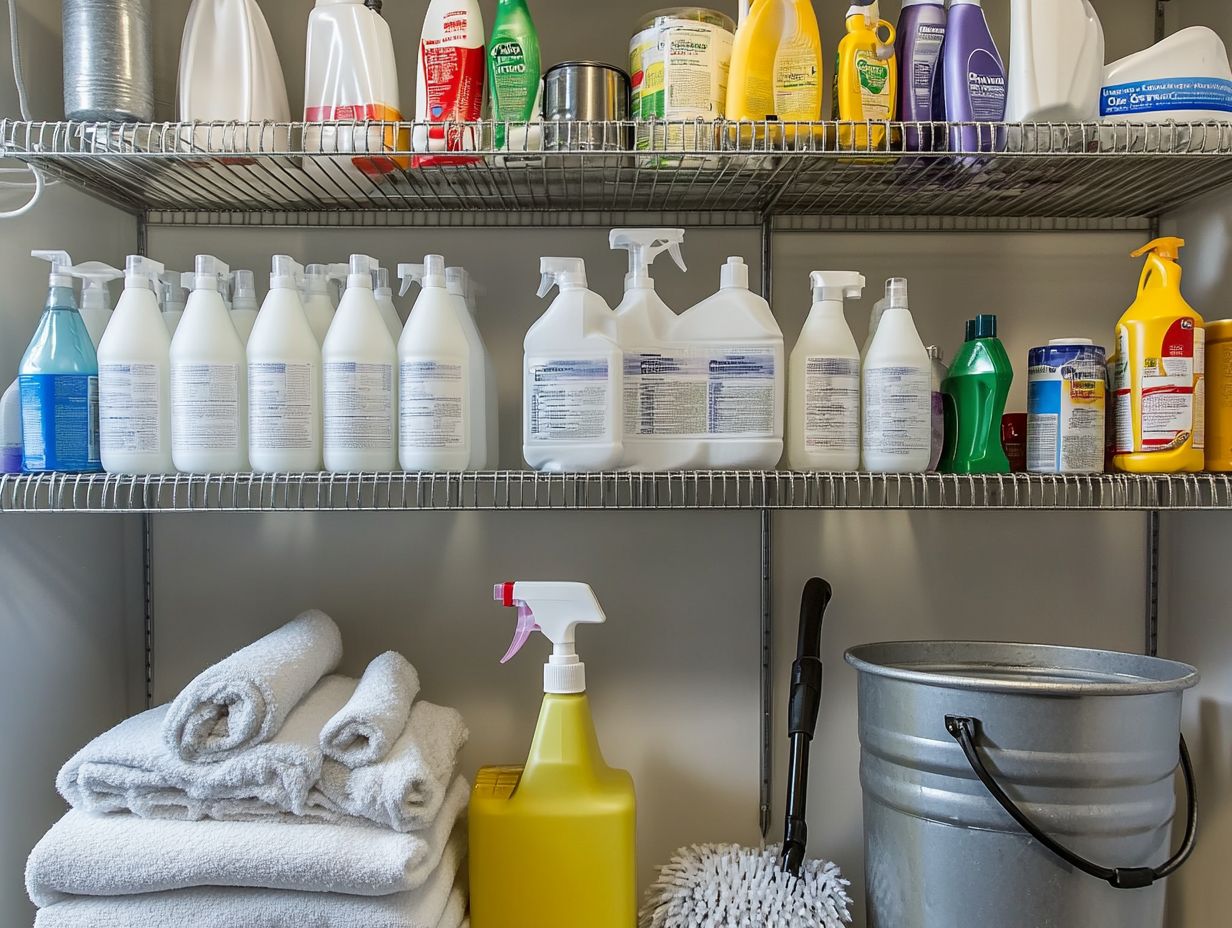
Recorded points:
909,661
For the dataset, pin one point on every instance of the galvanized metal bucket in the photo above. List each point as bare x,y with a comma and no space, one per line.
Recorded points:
1019,786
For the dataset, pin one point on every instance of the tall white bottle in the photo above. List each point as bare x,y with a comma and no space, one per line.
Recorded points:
318,301
462,286
209,401
823,405
134,379
173,297
244,305
359,367
664,388
385,301
897,423
96,296
572,376
284,380
440,424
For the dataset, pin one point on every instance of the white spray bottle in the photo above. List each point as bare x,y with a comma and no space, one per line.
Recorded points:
823,425
385,300
462,288
134,378
244,305
172,298
209,402
360,381
318,302
664,389
897,390
96,295
440,424
10,430
284,379
572,377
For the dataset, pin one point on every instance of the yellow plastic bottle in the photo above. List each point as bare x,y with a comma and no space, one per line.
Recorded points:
553,843
776,64
1159,377
865,77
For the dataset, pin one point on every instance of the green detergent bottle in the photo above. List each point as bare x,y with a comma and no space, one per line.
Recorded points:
974,395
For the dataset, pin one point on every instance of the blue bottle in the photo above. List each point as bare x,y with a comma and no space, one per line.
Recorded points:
59,384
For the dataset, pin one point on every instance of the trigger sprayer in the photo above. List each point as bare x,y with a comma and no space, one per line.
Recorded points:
61,267
566,273
429,274
644,245
555,610
94,277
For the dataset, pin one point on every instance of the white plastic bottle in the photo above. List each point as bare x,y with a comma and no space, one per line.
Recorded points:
665,389
10,430
461,285
134,379
209,402
385,300
897,423
439,427
1056,65
736,336
284,380
450,76
572,376
173,297
318,301
359,373
823,409
244,305
874,321
96,295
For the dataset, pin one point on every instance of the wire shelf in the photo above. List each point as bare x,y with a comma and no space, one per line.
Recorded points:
594,173
524,490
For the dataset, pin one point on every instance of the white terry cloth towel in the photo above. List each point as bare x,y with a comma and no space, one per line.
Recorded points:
131,769
405,790
367,726
243,700
439,903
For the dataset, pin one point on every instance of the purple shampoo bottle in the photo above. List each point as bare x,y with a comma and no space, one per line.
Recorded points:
975,85
921,34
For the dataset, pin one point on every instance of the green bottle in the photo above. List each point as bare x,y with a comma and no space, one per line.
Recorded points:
975,394
514,76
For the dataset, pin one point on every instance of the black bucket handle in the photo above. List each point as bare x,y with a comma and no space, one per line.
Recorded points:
963,731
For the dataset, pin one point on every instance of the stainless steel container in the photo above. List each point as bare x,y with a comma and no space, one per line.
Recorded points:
1083,745
108,60
589,92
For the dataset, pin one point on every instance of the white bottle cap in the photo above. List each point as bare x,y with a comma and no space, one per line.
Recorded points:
61,264
566,273
142,273
94,277
835,286
362,267
209,273
434,271
1071,341
285,273
896,293
735,275
380,282
457,281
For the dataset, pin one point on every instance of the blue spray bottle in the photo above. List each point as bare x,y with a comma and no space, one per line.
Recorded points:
59,383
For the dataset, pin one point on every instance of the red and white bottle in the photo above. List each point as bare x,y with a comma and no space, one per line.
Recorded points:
449,87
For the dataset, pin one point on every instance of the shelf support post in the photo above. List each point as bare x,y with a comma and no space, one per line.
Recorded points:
766,716
1152,583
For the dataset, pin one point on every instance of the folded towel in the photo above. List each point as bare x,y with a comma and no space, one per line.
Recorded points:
131,768
242,701
405,790
120,855
366,728
439,903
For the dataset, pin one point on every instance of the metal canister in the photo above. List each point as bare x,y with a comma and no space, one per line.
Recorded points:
1219,396
1066,407
108,61
592,94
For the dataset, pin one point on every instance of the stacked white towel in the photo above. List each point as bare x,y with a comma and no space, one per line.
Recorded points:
268,795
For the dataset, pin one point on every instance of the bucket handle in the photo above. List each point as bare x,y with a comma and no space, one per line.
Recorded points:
963,731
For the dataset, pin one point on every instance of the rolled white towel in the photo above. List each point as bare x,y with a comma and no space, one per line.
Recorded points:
243,700
455,911
405,790
365,729
122,855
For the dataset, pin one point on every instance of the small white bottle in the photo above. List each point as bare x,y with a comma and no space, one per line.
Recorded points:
10,430
385,300
173,297
897,423
437,426
461,284
209,374
573,377
284,380
823,410
318,302
244,305
134,379
359,372
96,295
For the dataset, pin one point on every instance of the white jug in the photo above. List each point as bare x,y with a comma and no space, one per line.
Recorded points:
1056,67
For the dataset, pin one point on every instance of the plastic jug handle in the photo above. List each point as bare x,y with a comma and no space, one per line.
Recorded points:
1157,267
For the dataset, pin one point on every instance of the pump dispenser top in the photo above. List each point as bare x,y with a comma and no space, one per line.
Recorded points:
556,610
61,267
566,273
142,273
172,291
207,276
644,245
430,274
317,277
285,273
244,288
836,286
361,268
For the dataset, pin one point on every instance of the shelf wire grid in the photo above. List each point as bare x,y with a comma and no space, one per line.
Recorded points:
714,172
529,491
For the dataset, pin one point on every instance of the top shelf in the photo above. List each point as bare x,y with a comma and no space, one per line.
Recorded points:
801,176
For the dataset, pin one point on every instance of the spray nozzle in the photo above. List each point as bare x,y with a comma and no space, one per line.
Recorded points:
142,273
94,277
380,281
410,274
896,293
244,286
836,286
171,290
358,272
208,275
566,273
316,278
285,273
61,266
1168,248
429,274
556,610
644,245
458,282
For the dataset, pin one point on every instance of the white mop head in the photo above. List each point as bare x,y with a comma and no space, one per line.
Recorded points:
728,886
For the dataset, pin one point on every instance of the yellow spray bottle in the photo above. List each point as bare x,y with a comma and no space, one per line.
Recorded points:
865,77
553,843
1159,374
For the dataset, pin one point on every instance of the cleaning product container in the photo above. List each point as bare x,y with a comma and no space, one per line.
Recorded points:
1219,396
1081,745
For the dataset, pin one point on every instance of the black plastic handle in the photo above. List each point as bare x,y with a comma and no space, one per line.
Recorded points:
963,731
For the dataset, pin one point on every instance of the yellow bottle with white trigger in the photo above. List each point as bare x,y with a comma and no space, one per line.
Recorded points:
865,78
553,843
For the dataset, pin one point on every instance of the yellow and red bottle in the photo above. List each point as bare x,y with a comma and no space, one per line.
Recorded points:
553,843
1159,375
865,78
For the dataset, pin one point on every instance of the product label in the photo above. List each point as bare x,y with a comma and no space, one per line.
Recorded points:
59,422
280,406
1168,94
986,87
898,411
205,407
1123,396
797,81
433,405
923,71
666,395
569,399
451,75
680,71
832,404
874,79
1065,424
515,82
741,393
358,405
130,408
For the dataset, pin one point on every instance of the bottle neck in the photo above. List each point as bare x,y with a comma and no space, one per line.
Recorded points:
61,298
564,737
